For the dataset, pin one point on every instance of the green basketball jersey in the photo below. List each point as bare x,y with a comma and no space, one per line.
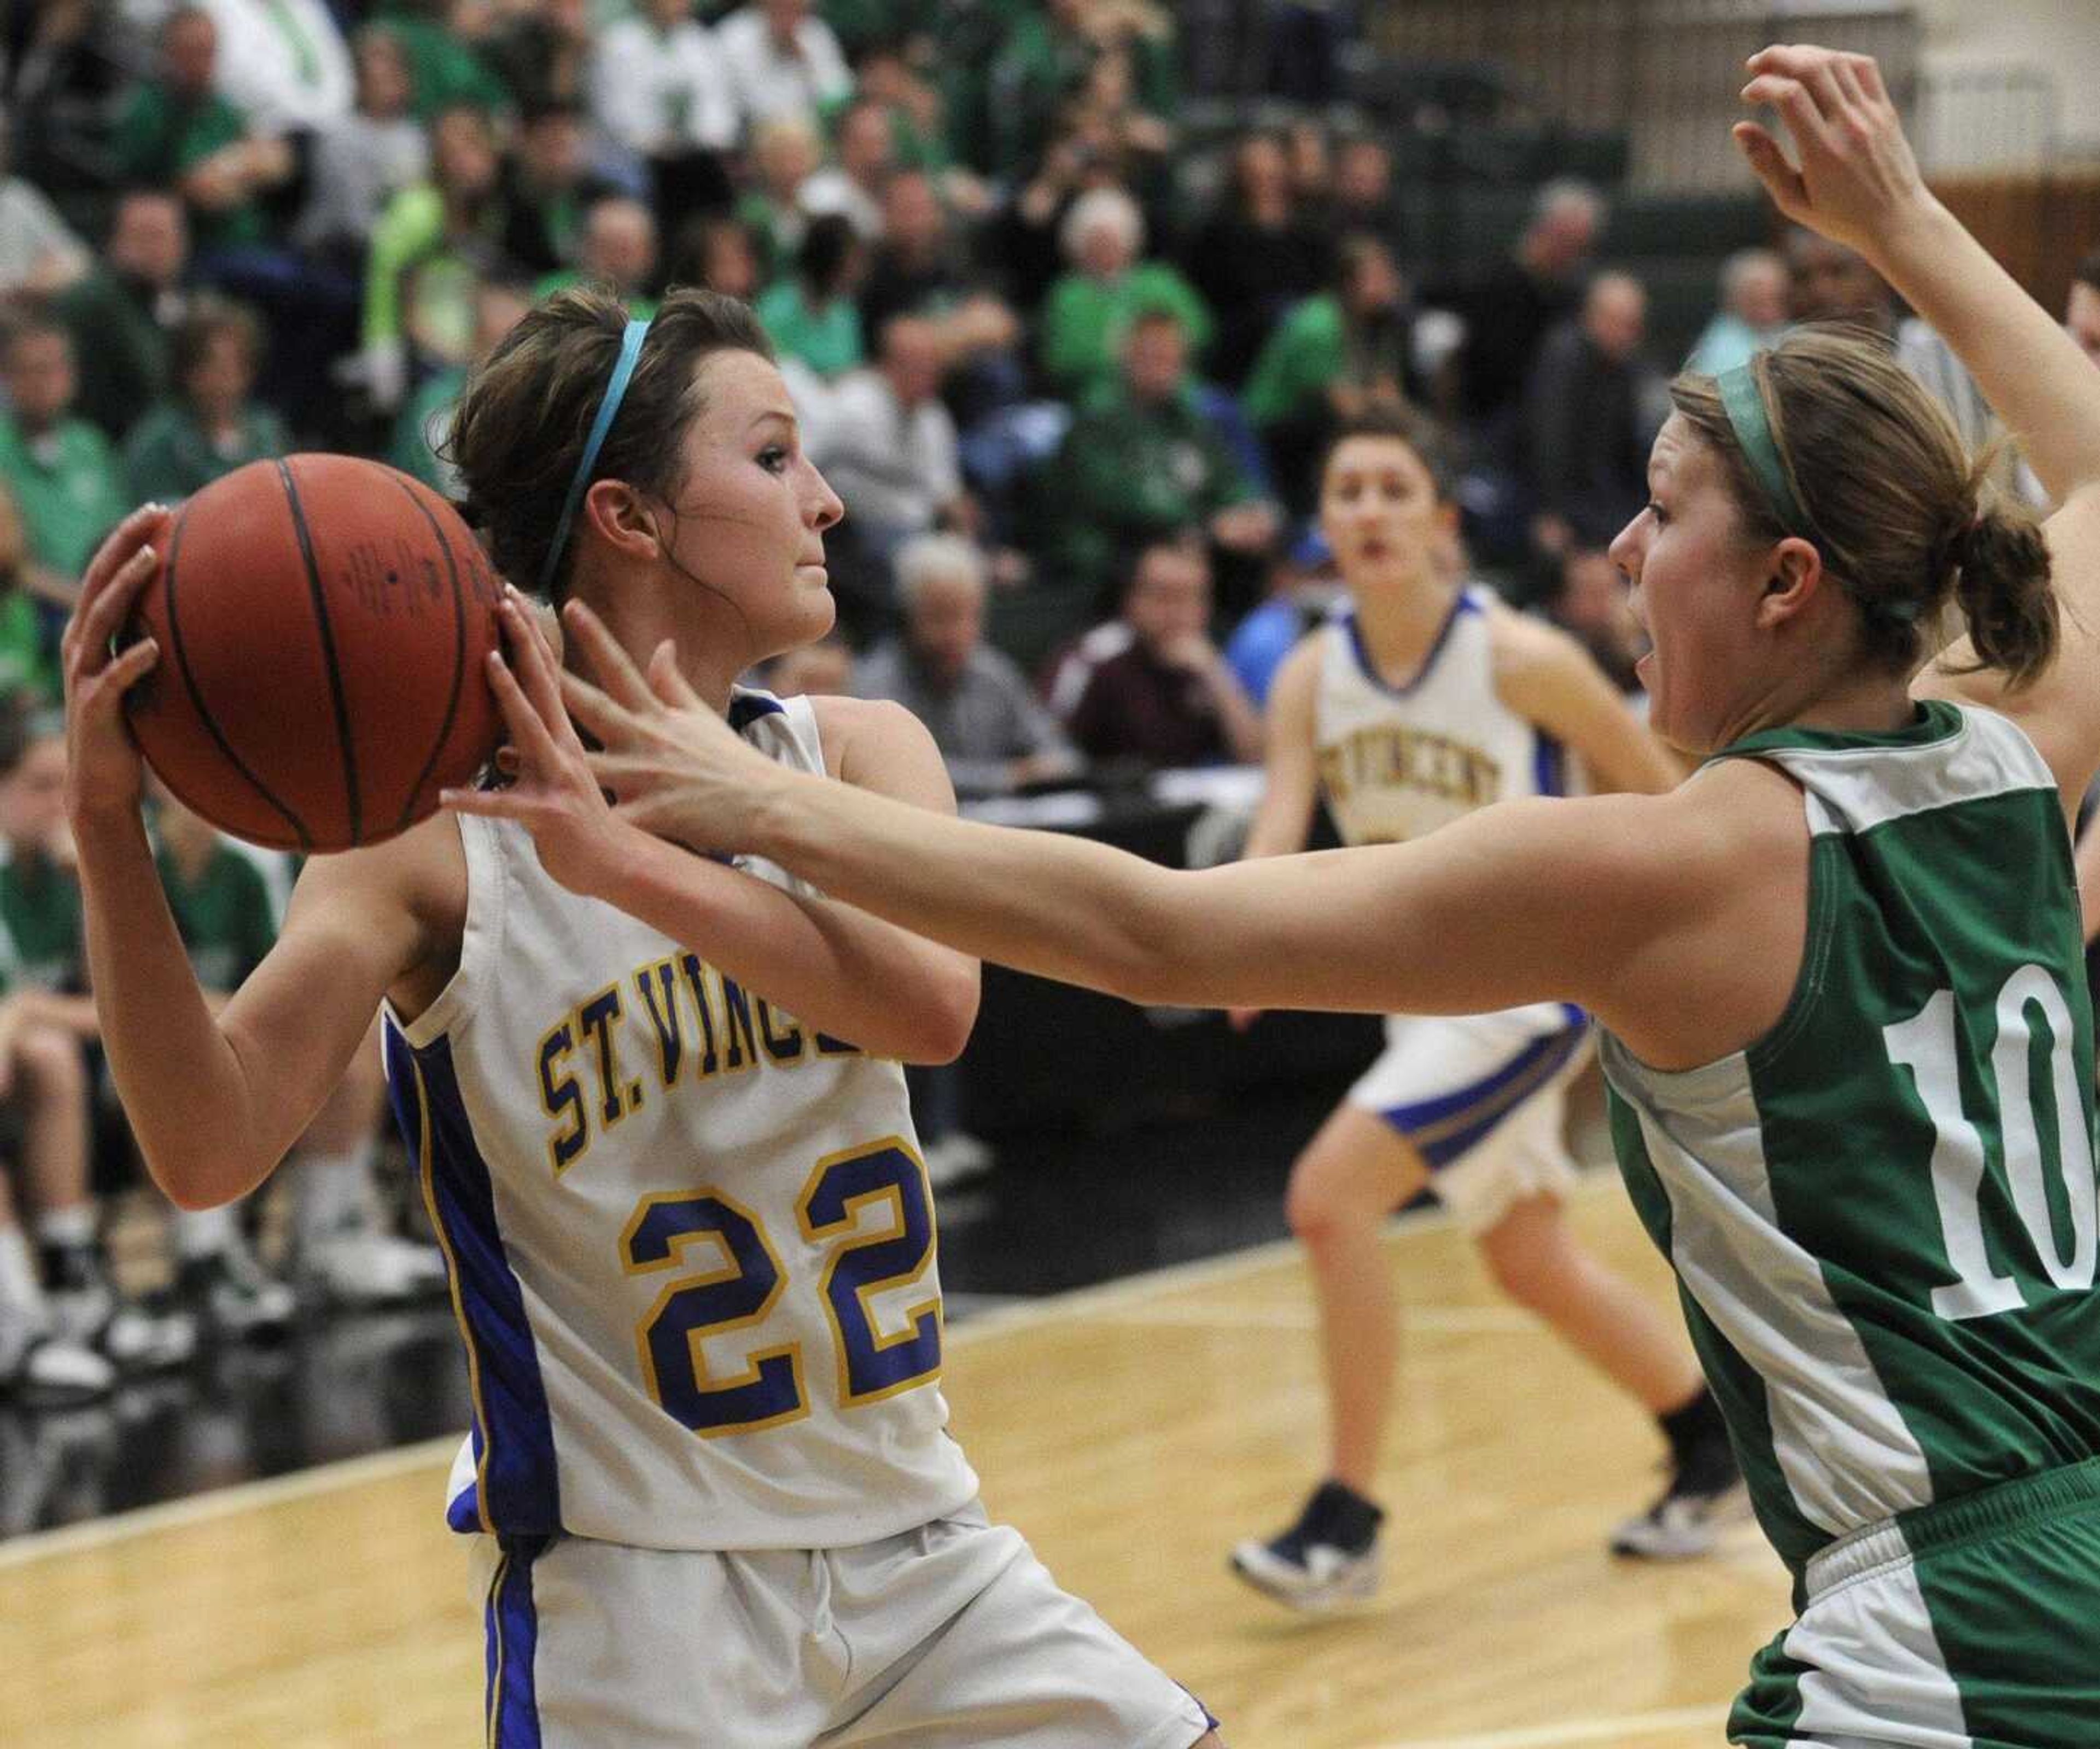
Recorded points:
1882,1214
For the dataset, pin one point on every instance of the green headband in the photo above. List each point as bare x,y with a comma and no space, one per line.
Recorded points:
1744,402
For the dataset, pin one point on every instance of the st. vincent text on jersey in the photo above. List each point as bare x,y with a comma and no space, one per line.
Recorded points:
689,1022
1388,756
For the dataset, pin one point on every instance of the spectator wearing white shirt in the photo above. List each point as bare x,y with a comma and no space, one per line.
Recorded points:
888,447
660,87
38,252
360,161
782,60
854,182
283,63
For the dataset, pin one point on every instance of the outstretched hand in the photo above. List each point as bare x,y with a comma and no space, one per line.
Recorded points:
675,766
1857,178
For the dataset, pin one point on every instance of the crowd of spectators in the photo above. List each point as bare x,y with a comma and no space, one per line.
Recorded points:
1069,369
1015,305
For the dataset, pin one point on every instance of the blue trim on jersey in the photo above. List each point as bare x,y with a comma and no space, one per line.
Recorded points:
1462,603
511,1625
1549,764
1449,1125
518,1488
747,707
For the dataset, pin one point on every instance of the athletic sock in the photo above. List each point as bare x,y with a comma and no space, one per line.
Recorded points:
205,1232
1340,1515
332,1194
1693,1425
20,1284
68,1252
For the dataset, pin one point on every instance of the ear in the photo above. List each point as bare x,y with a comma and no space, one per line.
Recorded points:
1793,580
619,516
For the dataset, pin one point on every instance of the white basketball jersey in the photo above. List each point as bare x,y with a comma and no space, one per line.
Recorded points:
1398,761
691,1240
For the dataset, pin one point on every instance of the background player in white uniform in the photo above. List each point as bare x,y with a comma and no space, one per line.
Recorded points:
667,1145
1422,699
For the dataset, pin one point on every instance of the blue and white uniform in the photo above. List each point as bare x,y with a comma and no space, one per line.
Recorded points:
692,1252
1479,1096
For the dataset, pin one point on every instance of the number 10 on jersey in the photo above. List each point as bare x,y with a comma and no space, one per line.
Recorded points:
741,1291
1928,1046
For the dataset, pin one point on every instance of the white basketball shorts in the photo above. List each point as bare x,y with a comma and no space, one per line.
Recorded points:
1482,1098
951,1636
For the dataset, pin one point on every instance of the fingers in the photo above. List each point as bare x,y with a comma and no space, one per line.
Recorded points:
1782,181
535,668
614,668
667,681
528,733
1797,106
492,804
106,599
610,725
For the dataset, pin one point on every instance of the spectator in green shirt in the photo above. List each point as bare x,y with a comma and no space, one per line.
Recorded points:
426,423
812,317
1141,462
26,658
123,316
1330,357
212,427
60,470
1087,311
178,131
457,215
447,43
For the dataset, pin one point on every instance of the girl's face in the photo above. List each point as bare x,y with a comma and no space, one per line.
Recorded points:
1379,510
1695,587
752,510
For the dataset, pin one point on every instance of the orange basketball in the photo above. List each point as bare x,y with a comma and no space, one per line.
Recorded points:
323,623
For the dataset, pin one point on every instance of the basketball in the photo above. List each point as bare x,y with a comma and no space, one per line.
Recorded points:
323,623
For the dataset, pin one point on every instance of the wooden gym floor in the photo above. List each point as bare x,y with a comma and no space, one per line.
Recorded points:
1132,1431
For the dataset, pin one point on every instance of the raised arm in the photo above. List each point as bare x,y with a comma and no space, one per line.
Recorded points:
214,1101
1857,182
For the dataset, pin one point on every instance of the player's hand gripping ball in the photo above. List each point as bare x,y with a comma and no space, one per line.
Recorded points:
325,625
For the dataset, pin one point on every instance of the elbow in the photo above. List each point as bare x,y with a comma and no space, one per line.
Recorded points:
194,1182
942,1024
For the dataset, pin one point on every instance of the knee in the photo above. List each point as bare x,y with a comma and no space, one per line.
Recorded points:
1320,1203
1536,1275
50,1063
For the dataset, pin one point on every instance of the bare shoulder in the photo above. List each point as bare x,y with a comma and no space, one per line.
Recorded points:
1726,888
1526,650
1299,669
857,731
877,745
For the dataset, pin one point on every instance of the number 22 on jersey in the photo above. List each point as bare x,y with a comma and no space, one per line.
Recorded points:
741,1291
1927,1045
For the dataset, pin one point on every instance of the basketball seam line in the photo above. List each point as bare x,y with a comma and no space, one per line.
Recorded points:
203,710
327,652
459,656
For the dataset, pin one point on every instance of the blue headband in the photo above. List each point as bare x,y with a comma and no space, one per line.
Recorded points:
1744,402
615,390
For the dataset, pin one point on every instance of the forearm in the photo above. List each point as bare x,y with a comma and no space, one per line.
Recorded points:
831,967
2029,369
182,1087
1236,715
1060,907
